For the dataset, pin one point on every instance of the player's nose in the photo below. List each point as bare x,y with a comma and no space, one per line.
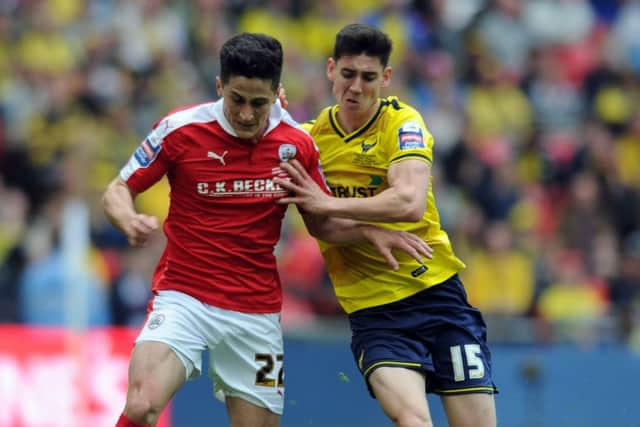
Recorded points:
245,114
356,85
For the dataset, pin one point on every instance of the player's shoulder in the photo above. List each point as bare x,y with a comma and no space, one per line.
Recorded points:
320,122
183,116
396,109
308,125
397,115
295,132
292,127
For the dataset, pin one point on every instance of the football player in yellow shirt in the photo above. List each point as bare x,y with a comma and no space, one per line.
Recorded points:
413,330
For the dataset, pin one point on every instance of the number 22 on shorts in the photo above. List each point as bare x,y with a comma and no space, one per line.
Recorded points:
264,376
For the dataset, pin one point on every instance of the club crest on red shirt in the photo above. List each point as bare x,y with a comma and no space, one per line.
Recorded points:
286,152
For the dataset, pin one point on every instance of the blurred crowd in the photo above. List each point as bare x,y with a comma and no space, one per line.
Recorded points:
534,106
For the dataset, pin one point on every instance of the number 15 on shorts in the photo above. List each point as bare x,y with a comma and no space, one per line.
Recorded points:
474,367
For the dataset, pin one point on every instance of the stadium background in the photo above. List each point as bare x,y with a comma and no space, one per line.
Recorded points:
534,106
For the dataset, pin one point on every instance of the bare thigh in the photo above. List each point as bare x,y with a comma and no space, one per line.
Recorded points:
402,396
470,410
246,414
155,374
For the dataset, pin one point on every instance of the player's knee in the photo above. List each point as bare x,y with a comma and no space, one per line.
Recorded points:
412,419
139,408
471,410
473,419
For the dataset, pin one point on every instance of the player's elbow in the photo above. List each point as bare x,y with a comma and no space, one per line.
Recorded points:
411,214
317,226
115,194
411,208
110,193
316,232
107,196
323,231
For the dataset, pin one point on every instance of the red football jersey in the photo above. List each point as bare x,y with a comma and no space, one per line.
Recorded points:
223,222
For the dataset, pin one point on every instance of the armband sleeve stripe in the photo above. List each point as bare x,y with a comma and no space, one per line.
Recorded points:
413,155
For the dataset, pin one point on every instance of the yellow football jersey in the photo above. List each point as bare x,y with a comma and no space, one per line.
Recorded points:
355,165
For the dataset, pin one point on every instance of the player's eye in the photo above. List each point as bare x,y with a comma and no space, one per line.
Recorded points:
258,103
348,74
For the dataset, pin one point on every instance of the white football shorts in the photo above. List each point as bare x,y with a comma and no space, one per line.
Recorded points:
245,350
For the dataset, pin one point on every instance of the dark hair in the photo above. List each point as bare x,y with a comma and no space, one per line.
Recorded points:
356,39
251,55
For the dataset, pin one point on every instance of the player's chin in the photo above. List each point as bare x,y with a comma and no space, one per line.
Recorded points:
246,134
246,131
353,106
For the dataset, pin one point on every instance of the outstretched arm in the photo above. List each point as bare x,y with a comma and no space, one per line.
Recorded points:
404,200
343,231
118,205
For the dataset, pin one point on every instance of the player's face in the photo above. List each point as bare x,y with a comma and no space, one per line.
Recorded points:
357,81
247,103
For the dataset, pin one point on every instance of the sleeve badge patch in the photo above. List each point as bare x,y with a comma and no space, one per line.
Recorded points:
410,136
146,152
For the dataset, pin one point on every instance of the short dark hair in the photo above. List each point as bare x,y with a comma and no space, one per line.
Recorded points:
356,39
251,55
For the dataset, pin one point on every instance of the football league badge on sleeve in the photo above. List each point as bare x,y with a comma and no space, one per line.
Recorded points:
410,136
146,152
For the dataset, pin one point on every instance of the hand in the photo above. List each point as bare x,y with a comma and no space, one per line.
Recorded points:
140,229
306,192
386,240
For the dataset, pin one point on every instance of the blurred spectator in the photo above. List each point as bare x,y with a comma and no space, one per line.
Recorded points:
129,289
499,276
13,226
558,21
500,115
583,218
557,102
606,10
501,192
148,30
574,300
440,97
627,153
625,290
41,293
501,35
624,44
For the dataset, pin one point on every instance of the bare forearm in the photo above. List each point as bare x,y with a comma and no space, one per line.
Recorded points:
335,230
345,231
119,208
388,206
403,201
118,205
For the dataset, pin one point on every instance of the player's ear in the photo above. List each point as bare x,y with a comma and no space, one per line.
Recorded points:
219,86
386,76
281,94
331,68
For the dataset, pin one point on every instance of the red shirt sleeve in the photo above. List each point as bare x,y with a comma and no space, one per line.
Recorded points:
314,169
150,162
144,178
